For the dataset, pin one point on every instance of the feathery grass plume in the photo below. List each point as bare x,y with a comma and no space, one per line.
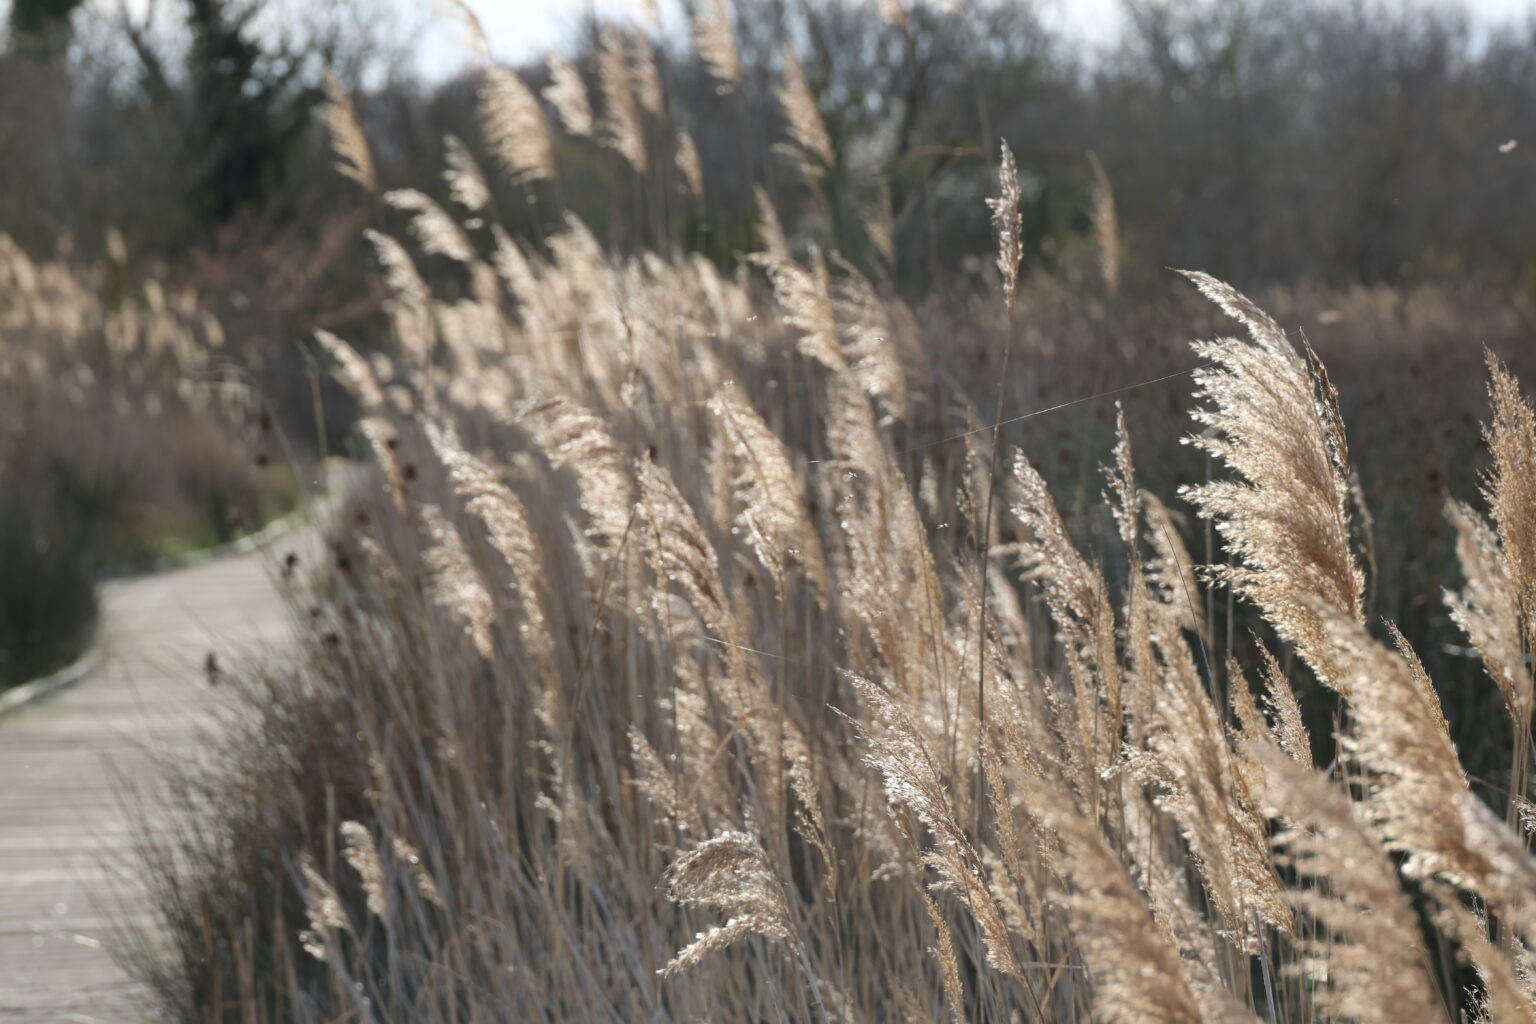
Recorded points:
1009,225
1124,501
577,442
1362,948
1277,424
869,332
770,230
892,12
352,370
949,964
683,554
455,583
728,872
805,296
426,885
1138,974
1106,226
806,126
1506,980
1498,608
1157,864
1488,611
1510,486
400,273
661,787
1190,768
1284,712
327,915
514,127
466,183
507,527
363,856
621,129
688,165
514,269
1171,572
475,39
348,143
1078,601
410,315
438,233
381,438
567,93
888,575
1071,586
1417,791
1286,520
1186,759
903,756
768,489
647,76
715,40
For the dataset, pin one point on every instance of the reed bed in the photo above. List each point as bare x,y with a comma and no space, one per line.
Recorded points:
680,664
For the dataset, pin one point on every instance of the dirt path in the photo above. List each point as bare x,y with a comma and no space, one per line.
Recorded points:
65,883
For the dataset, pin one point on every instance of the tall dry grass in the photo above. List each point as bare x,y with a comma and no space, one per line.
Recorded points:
124,436
678,666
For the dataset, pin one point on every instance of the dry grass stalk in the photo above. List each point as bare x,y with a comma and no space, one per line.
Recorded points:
466,183
715,40
1008,224
1106,226
768,490
1138,975
574,439
348,143
806,126
514,127
1488,610
400,273
869,328
687,163
1365,952
904,758
327,915
620,129
1511,484
438,233
770,230
352,370
1286,521
567,93
507,528
805,296
363,856
455,584
647,76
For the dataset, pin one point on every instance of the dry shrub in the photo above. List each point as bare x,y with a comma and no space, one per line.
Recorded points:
119,442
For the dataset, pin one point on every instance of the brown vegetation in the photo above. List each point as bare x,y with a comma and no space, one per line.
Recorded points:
686,662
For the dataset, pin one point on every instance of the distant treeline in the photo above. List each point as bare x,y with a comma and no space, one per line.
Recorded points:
1268,141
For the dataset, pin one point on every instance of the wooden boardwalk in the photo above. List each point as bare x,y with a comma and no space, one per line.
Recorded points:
66,878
